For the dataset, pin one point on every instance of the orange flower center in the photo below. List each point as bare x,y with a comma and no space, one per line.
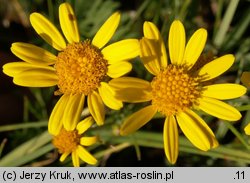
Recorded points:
80,68
66,141
173,90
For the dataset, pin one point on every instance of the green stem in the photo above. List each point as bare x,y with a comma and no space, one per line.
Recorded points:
114,149
2,146
240,70
218,17
149,139
237,134
50,9
219,38
28,151
26,158
183,11
137,148
220,152
23,126
243,107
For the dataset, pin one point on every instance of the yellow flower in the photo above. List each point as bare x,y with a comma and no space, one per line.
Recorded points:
247,129
245,79
79,69
176,89
72,142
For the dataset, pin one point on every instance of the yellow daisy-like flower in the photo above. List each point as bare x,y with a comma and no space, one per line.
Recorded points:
247,129
72,142
79,69
245,79
176,89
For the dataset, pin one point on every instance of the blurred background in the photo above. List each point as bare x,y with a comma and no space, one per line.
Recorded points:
24,112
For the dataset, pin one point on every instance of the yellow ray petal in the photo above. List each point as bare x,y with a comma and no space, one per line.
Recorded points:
219,109
176,42
73,111
195,47
247,129
36,77
33,54
224,91
14,68
96,107
75,159
84,125
119,69
137,120
196,130
64,156
122,50
68,23
129,82
131,90
149,55
245,79
216,67
171,139
106,31
152,32
88,141
55,119
108,96
47,31
86,156
133,95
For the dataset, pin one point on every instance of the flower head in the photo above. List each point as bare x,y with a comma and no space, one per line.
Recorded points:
247,129
178,88
72,142
80,68
245,79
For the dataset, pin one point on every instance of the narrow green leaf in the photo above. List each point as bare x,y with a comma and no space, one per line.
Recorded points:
32,156
23,126
234,38
150,139
25,149
226,21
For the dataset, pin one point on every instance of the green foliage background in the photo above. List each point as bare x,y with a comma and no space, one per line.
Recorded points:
24,140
